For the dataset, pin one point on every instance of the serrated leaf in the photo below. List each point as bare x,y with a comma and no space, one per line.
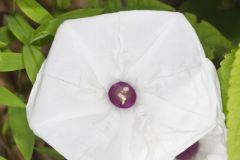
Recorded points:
10,61
2,158
148,4
214,11
9,99
214,43
34,11
33,59
22,134
49,152
50,27
224,76
233,107
20,28
63,4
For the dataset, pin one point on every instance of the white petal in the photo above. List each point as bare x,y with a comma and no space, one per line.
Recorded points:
81,129
213,145
177,92
53,99
80,123
175,48
114,45
182,109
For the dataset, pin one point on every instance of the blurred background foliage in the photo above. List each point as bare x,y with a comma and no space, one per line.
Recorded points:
27,28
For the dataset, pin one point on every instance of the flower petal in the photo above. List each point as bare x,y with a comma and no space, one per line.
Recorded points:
54,99
115,44
180,114
81,123
175,49
176,86
213,145
96,41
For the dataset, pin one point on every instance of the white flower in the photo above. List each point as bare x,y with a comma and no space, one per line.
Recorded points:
158,53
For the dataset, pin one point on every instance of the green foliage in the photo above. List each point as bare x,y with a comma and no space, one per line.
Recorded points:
34,11
118,5
33,59
233,108
2,158
9,99
20,28
63,4
230,87
214,43
22,134
224,76
223,16
80,13
5,36
148,4
5,127
94,4
10,61
49,28
113,5
2,44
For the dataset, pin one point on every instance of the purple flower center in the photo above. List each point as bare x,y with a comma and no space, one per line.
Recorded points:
122,95
189,153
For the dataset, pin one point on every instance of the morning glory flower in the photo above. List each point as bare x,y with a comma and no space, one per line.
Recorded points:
132,85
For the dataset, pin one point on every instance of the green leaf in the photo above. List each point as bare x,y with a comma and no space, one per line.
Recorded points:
63,4
22,134
6,49
50,27
20,28
49,152
94,4
80,13
3,44
113,5
214,43
5,35
10,99
224,76
214,11
148,4
233,107
2,158
34,11
10,61
5,127
33,59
